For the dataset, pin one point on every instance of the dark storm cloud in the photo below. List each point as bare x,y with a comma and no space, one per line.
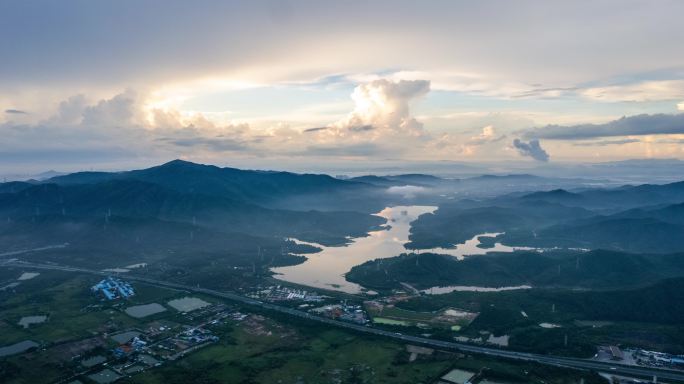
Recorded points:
531,149
361,128
317,129
15,112
659,124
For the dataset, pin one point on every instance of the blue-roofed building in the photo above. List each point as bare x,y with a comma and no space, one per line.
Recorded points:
112,288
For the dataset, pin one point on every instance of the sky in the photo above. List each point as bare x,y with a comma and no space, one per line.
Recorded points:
122,84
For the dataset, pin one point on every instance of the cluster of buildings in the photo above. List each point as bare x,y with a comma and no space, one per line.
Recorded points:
190,339
137,350
633,356
344,312
112,288
198,336
135,345
280,293
658,359
123,368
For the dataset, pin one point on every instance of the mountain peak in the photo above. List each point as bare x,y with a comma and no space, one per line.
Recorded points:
179,163
556,193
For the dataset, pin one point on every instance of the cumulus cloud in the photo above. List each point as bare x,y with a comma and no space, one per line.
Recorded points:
70,111
116,130
466,146
126,126
129,126
122,109
380,123
626,126
488,135
384,104
531,149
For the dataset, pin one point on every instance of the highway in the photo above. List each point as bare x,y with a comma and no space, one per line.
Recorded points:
569,362
15,253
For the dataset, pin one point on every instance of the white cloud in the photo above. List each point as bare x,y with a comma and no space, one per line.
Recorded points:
124,128
661,90
123,109
384,104
380,125
488,135
381,118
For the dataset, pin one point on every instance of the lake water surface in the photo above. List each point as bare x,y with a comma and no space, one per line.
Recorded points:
28,276
17,348
140,311
326,268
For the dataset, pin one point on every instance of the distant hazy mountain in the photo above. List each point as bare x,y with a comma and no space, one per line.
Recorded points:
223,199
399,180
556,196
643,218
626,171
261,187
673,213
47,175
616,198
455,223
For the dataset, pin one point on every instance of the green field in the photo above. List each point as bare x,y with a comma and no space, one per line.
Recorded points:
386,321
395,312
319,355
65,298
290,355
628,317
74,312
392,315
264,348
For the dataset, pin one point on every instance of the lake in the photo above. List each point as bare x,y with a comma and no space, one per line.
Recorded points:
140,311
28,276
17,348
124,337
326,269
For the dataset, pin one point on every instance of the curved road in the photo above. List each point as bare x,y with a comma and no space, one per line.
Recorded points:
570,362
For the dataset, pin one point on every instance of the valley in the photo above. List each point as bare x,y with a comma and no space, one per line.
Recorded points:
498,274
